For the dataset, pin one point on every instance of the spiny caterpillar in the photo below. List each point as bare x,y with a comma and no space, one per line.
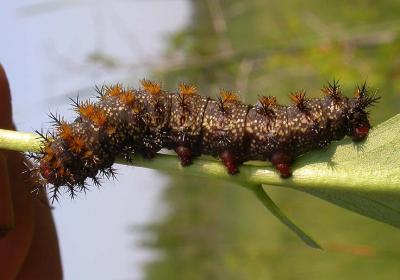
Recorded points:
124,121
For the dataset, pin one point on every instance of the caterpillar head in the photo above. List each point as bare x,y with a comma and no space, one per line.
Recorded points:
358,125
47,172
358,122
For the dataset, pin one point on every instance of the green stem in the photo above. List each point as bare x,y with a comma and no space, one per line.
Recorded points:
19,141
28,142
311,172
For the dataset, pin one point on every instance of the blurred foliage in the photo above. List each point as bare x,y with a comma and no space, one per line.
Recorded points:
213,230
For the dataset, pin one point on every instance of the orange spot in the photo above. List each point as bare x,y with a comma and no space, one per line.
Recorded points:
114,90
93,113
151,87
228,96
49,154
185,89
298,97
333,90
99,118
127,97
65,131
359,92
267,101
77,145
87,110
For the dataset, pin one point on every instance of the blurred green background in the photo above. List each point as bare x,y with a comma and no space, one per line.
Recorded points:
216,230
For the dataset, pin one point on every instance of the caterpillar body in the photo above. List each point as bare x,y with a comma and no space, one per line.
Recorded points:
124,121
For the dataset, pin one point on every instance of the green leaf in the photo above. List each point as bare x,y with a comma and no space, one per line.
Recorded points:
364,178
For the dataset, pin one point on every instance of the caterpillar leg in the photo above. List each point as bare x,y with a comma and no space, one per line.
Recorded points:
230,161
149,154
151,144
185,155
282,162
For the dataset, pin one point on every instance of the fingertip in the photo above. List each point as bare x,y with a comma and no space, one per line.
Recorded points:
5,101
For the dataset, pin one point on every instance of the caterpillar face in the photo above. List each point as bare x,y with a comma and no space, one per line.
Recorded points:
47,172
358,122
125,121
358,126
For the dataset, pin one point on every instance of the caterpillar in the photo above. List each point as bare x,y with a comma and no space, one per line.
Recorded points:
124,121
